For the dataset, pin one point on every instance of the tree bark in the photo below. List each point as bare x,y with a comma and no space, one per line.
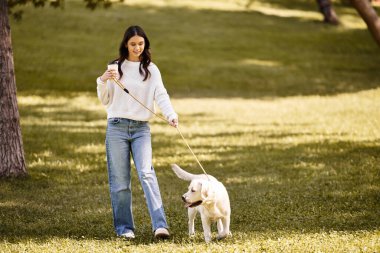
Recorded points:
12,161
369,15
329,15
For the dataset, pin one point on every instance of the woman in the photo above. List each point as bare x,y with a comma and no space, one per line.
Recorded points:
128,130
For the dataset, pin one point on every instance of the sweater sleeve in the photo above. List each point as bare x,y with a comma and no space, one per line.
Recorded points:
103,91
161,96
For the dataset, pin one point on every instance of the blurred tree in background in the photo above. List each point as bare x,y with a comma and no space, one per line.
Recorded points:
329,15
369,15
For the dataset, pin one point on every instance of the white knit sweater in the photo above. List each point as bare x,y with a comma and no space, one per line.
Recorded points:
121,105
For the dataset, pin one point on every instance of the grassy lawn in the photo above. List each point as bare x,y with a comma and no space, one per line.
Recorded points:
283,110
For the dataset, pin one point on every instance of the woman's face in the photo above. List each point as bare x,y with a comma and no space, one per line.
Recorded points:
135,46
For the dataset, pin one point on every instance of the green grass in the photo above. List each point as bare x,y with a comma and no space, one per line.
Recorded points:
201,53
278,108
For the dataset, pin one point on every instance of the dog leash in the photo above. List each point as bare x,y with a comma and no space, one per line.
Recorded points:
162,118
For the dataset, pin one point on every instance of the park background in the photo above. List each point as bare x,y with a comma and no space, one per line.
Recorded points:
280,107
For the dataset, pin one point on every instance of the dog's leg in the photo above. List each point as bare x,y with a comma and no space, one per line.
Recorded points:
192,212
226,228
219,225
206,224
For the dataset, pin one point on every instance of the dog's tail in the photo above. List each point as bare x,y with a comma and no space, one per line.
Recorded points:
186,175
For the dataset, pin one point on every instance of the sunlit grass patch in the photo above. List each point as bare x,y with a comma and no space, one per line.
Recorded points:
348,17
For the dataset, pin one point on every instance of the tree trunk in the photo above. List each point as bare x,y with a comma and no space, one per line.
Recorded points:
12,161
329,15
369,15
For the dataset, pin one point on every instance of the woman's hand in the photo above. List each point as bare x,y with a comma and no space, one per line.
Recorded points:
109,74
174,122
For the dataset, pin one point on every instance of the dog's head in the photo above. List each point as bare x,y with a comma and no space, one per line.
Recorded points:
200,192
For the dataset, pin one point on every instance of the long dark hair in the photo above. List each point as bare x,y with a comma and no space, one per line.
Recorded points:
145,57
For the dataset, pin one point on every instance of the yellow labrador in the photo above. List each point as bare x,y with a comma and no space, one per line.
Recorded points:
209,197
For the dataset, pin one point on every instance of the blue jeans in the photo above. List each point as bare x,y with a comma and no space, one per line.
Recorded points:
123,138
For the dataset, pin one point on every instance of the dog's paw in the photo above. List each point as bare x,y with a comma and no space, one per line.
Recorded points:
223,236
192,235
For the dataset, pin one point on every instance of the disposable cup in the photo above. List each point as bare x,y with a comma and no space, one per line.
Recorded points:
113,67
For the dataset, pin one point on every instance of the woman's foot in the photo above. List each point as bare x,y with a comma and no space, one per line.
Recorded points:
161,233
129,235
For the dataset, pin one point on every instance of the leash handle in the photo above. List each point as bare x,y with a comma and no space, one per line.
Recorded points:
179,131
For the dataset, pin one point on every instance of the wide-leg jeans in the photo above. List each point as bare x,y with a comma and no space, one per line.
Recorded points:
123,138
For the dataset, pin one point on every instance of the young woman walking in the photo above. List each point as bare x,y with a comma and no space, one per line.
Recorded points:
128,131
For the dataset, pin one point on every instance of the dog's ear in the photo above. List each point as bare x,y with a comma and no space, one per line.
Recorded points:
204,190
207,192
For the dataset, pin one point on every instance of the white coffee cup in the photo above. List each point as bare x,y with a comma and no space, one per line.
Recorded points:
115,67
